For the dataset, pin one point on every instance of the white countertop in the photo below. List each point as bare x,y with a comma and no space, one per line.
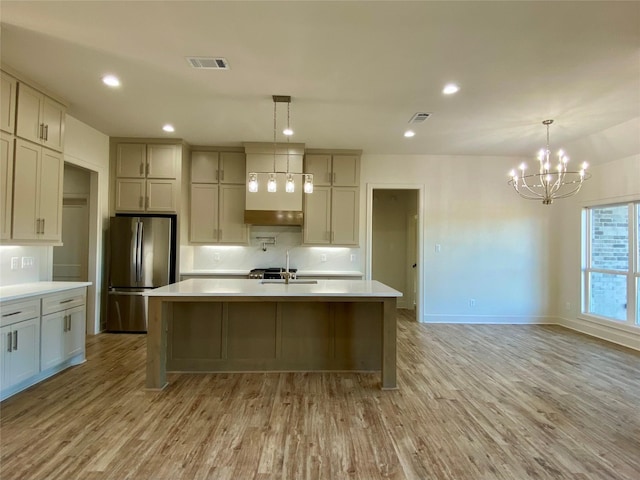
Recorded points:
24,290
200,287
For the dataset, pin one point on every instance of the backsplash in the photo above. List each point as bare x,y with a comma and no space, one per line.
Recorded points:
36,264
260,253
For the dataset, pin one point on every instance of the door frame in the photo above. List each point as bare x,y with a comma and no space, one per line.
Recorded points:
419,247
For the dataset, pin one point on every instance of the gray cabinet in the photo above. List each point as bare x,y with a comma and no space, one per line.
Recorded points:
217,198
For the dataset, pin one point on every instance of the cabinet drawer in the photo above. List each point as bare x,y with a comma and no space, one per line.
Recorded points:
63,301
12,312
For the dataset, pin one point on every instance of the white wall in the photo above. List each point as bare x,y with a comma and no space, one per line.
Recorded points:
88,148
493,244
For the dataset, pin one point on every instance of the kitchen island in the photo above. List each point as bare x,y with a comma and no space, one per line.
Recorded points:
238,325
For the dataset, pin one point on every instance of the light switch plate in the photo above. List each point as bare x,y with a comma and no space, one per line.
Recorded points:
15,263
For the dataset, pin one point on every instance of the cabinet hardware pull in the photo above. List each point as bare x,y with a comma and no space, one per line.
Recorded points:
147,203
222,176
40,131
43,227
9,341
69,316
146,171
67,300
15,339
140,202
9,314
46,133
334,177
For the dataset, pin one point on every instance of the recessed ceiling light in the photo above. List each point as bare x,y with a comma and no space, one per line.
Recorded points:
409,133
450,89
111,80
168,128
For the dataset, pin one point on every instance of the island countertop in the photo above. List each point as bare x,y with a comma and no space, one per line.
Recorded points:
200,287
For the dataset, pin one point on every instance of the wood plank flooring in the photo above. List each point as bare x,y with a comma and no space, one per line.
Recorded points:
475,402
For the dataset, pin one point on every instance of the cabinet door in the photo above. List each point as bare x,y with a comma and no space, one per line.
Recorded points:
204,167
344,215
26,193
50,199
8,95
53,115
6,184
346,170
29,125
317,216
161,195
131,160
233,168
320,167
232,226
24,359
161,161
53,343
130,194
203,218
74,339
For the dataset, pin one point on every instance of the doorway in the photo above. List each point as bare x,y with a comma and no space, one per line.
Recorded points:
394,241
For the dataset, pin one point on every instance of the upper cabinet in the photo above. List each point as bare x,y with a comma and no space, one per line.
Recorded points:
332,211
147,177
40,119
37,196
8,95
217,203
6,184
337,170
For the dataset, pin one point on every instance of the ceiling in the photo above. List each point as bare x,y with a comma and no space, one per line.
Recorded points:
356,71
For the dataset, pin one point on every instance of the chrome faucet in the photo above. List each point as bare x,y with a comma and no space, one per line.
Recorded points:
287,275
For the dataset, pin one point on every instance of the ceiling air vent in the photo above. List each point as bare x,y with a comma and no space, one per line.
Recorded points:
208,63
419,117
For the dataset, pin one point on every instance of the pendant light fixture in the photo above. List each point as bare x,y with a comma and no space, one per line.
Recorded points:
253,182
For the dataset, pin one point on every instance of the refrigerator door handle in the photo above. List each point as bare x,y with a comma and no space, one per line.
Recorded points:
140,252
135,251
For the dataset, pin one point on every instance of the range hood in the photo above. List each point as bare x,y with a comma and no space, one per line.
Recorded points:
280,207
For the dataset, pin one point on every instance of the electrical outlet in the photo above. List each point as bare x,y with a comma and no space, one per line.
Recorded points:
216,257
15,263
27,262
323,258
437,248
353,257
472,302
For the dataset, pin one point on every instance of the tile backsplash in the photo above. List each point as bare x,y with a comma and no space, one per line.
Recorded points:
262,253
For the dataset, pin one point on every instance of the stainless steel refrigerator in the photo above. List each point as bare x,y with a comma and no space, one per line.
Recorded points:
141,257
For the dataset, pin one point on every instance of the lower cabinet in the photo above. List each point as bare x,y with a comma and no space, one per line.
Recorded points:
20,352
64,333
40,337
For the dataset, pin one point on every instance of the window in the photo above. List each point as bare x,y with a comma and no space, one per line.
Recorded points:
611,277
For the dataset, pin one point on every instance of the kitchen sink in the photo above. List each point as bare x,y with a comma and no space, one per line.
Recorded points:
292,281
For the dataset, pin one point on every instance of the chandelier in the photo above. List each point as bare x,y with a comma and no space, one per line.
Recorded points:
549,183
272,184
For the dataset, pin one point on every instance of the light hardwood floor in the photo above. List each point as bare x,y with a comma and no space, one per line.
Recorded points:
475,402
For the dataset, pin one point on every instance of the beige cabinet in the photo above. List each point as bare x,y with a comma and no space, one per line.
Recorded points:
63,327
338,170
37,196
146,177
217,200
39,118
218,167
6,184
8,95
331,216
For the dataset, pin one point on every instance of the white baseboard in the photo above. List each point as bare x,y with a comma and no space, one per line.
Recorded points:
622,335
489,319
